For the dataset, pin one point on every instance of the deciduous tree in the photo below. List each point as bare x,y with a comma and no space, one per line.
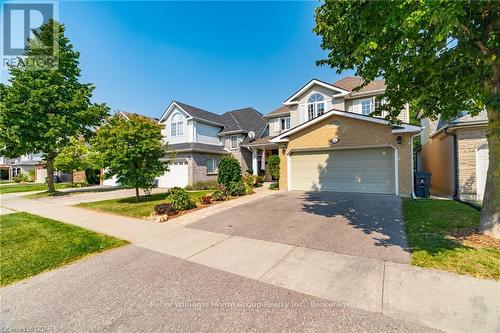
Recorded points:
41,109
442,56
73,157
130,149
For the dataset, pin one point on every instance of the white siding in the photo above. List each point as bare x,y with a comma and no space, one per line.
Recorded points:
207,134
186,131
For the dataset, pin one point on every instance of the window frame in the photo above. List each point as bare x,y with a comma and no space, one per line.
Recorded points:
284,123
231,142
370,106
313,103
176,125
212,165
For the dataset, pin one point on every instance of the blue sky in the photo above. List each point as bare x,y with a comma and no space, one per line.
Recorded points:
214,55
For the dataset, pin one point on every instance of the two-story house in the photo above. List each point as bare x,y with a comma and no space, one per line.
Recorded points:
328,141
197,139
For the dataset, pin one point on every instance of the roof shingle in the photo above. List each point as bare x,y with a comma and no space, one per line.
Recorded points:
349,83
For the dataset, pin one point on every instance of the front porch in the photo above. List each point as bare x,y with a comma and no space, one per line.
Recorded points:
261,150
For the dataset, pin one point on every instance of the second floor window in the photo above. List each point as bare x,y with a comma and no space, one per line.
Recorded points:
285,123
177,125
366,107
234,142
315,106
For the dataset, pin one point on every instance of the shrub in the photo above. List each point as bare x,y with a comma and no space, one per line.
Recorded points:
206,199
220,193
206,185
229,171
165,208
236,188
92,176
21,178
32,175
274,186
179,198
273,163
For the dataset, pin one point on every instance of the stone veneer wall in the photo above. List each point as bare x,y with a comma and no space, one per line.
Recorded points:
468,141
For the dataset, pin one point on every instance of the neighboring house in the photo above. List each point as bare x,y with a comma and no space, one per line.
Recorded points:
23,165
455,152
328,141
197,139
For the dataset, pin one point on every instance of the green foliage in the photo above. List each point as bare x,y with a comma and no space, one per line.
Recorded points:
42,109
130,149
220,193
32,174
73,157
251,181
274,186
165,208
438,55
273,163
229,170
203,185
179,199
92,176
22,178
236,188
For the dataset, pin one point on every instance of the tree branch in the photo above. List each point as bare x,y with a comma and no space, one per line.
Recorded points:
484,49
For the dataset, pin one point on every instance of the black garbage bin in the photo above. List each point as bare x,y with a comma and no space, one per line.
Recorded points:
422,184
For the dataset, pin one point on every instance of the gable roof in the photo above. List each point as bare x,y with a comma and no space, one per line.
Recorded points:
200,114
291,100
402,128
282,110
127,114
349,83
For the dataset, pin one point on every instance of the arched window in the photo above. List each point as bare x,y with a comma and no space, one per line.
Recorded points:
177,125
315,106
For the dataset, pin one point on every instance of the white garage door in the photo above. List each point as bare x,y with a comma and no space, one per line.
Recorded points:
176,176
354,170
482,160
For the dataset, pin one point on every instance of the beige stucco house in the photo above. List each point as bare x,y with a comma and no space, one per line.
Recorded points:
456,153
327,140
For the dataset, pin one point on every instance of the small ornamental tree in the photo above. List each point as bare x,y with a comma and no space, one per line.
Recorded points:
273,163
442,57
73,157
229,171
41,109
130,149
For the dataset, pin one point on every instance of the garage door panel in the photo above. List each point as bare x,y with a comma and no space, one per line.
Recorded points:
176,176
361,170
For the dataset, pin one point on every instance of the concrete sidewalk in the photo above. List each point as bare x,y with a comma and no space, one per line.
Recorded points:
437,299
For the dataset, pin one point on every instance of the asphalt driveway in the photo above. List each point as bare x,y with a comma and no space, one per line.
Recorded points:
365,225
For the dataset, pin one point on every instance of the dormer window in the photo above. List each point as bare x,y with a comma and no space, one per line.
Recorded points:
285,123
315,106
177,125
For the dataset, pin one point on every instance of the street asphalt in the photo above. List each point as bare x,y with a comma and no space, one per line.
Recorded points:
133,289
366,225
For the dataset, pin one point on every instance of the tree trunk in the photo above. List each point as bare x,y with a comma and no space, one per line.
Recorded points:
50,174
137,194
490,213
72,178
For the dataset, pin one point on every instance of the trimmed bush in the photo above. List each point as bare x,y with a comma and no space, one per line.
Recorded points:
236,188
220,193
21,178
165,208
206,185
274,186
229,171
179,198
273,163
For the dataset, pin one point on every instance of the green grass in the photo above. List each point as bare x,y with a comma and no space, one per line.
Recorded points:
129,207
29,187
428,225
31,244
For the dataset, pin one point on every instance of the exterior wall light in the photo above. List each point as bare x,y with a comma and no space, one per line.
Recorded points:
283,149
399,139
335,140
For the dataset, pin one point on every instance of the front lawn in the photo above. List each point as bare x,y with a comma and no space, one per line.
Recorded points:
129,207
441,236
27,187
31,244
